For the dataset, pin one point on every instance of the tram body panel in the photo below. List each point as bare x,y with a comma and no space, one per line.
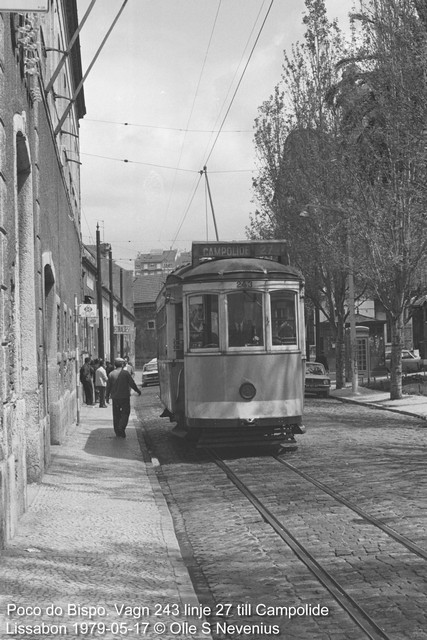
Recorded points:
213,387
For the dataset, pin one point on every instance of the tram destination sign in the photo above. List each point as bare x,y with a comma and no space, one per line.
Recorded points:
273,249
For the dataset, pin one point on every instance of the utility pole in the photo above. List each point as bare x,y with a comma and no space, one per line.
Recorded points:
110,265
122,338
101,349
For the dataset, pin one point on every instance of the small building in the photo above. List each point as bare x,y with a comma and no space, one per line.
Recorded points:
145,292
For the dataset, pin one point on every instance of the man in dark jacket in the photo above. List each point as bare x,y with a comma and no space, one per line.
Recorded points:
86,380
119,384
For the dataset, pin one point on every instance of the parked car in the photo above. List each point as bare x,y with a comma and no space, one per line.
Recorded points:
150,373
317,381
410,362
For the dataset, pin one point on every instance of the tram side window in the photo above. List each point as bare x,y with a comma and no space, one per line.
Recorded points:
203,321
283,317
245,326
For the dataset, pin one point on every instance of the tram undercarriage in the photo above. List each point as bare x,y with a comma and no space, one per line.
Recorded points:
257,432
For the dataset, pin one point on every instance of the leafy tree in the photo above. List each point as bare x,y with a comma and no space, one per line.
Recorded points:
301,173
382,104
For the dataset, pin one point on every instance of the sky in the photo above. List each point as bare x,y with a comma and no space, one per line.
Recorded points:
170,69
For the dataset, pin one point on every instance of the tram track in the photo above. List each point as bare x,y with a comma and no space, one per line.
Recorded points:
403,540
357,613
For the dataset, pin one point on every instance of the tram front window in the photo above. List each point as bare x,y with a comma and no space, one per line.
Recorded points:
245,327
283,317
203,321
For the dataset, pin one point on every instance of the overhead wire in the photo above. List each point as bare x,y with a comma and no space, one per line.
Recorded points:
235,91
161,166
233,79
187,210
240,81
191,111
179,129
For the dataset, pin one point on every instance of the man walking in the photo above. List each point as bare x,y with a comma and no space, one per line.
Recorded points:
119,384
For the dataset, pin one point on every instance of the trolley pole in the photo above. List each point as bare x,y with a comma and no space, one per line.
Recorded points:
205,171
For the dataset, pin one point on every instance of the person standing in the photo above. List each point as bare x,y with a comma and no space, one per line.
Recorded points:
119,385
86,380
101,380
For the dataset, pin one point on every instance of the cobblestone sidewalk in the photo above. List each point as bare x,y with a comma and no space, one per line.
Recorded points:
96,546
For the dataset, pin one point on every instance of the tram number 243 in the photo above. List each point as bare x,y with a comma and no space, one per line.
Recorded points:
244,284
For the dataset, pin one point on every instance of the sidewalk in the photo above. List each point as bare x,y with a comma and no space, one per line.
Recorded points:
96,546
410,405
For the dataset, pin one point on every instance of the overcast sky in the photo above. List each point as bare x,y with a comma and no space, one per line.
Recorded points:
169,69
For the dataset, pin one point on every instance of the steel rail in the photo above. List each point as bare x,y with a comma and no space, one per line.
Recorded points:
398,537
354,610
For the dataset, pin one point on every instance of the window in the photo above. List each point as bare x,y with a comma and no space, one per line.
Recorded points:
151,324
245,324
203,321
283,317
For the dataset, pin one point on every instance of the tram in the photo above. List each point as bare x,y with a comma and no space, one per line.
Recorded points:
231,351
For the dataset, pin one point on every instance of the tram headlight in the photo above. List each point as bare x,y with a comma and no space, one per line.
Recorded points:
247,391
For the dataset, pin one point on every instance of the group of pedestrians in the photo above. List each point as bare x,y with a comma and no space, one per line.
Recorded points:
110,382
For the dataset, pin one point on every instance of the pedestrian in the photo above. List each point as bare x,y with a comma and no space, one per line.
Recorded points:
108,367
101,383
128,366
86,380
119,385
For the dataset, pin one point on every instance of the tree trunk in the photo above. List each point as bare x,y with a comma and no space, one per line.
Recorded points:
396,357
339,354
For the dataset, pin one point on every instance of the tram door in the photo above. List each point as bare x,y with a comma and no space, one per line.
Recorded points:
363,360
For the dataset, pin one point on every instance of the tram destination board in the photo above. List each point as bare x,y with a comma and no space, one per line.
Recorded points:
273,249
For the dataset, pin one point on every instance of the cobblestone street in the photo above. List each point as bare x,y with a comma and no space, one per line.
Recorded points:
371,458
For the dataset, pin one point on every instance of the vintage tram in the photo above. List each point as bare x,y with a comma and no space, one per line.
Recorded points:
231,351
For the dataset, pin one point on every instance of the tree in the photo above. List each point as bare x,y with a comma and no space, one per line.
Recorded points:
299,147
382,105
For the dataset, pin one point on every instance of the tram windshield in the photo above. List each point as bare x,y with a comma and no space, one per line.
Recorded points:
203,321
283,317
245,326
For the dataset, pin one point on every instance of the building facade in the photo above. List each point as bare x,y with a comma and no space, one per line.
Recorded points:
158,263
118,321
40,245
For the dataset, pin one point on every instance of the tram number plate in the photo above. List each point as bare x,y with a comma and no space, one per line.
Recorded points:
244,284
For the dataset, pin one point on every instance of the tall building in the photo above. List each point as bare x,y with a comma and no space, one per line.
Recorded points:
40,243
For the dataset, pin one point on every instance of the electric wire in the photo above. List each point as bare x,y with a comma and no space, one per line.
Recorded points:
191,115
187,210
236,89
179,129
161,166
233,79
240,81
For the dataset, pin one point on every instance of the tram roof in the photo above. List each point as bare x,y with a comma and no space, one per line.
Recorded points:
231,268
